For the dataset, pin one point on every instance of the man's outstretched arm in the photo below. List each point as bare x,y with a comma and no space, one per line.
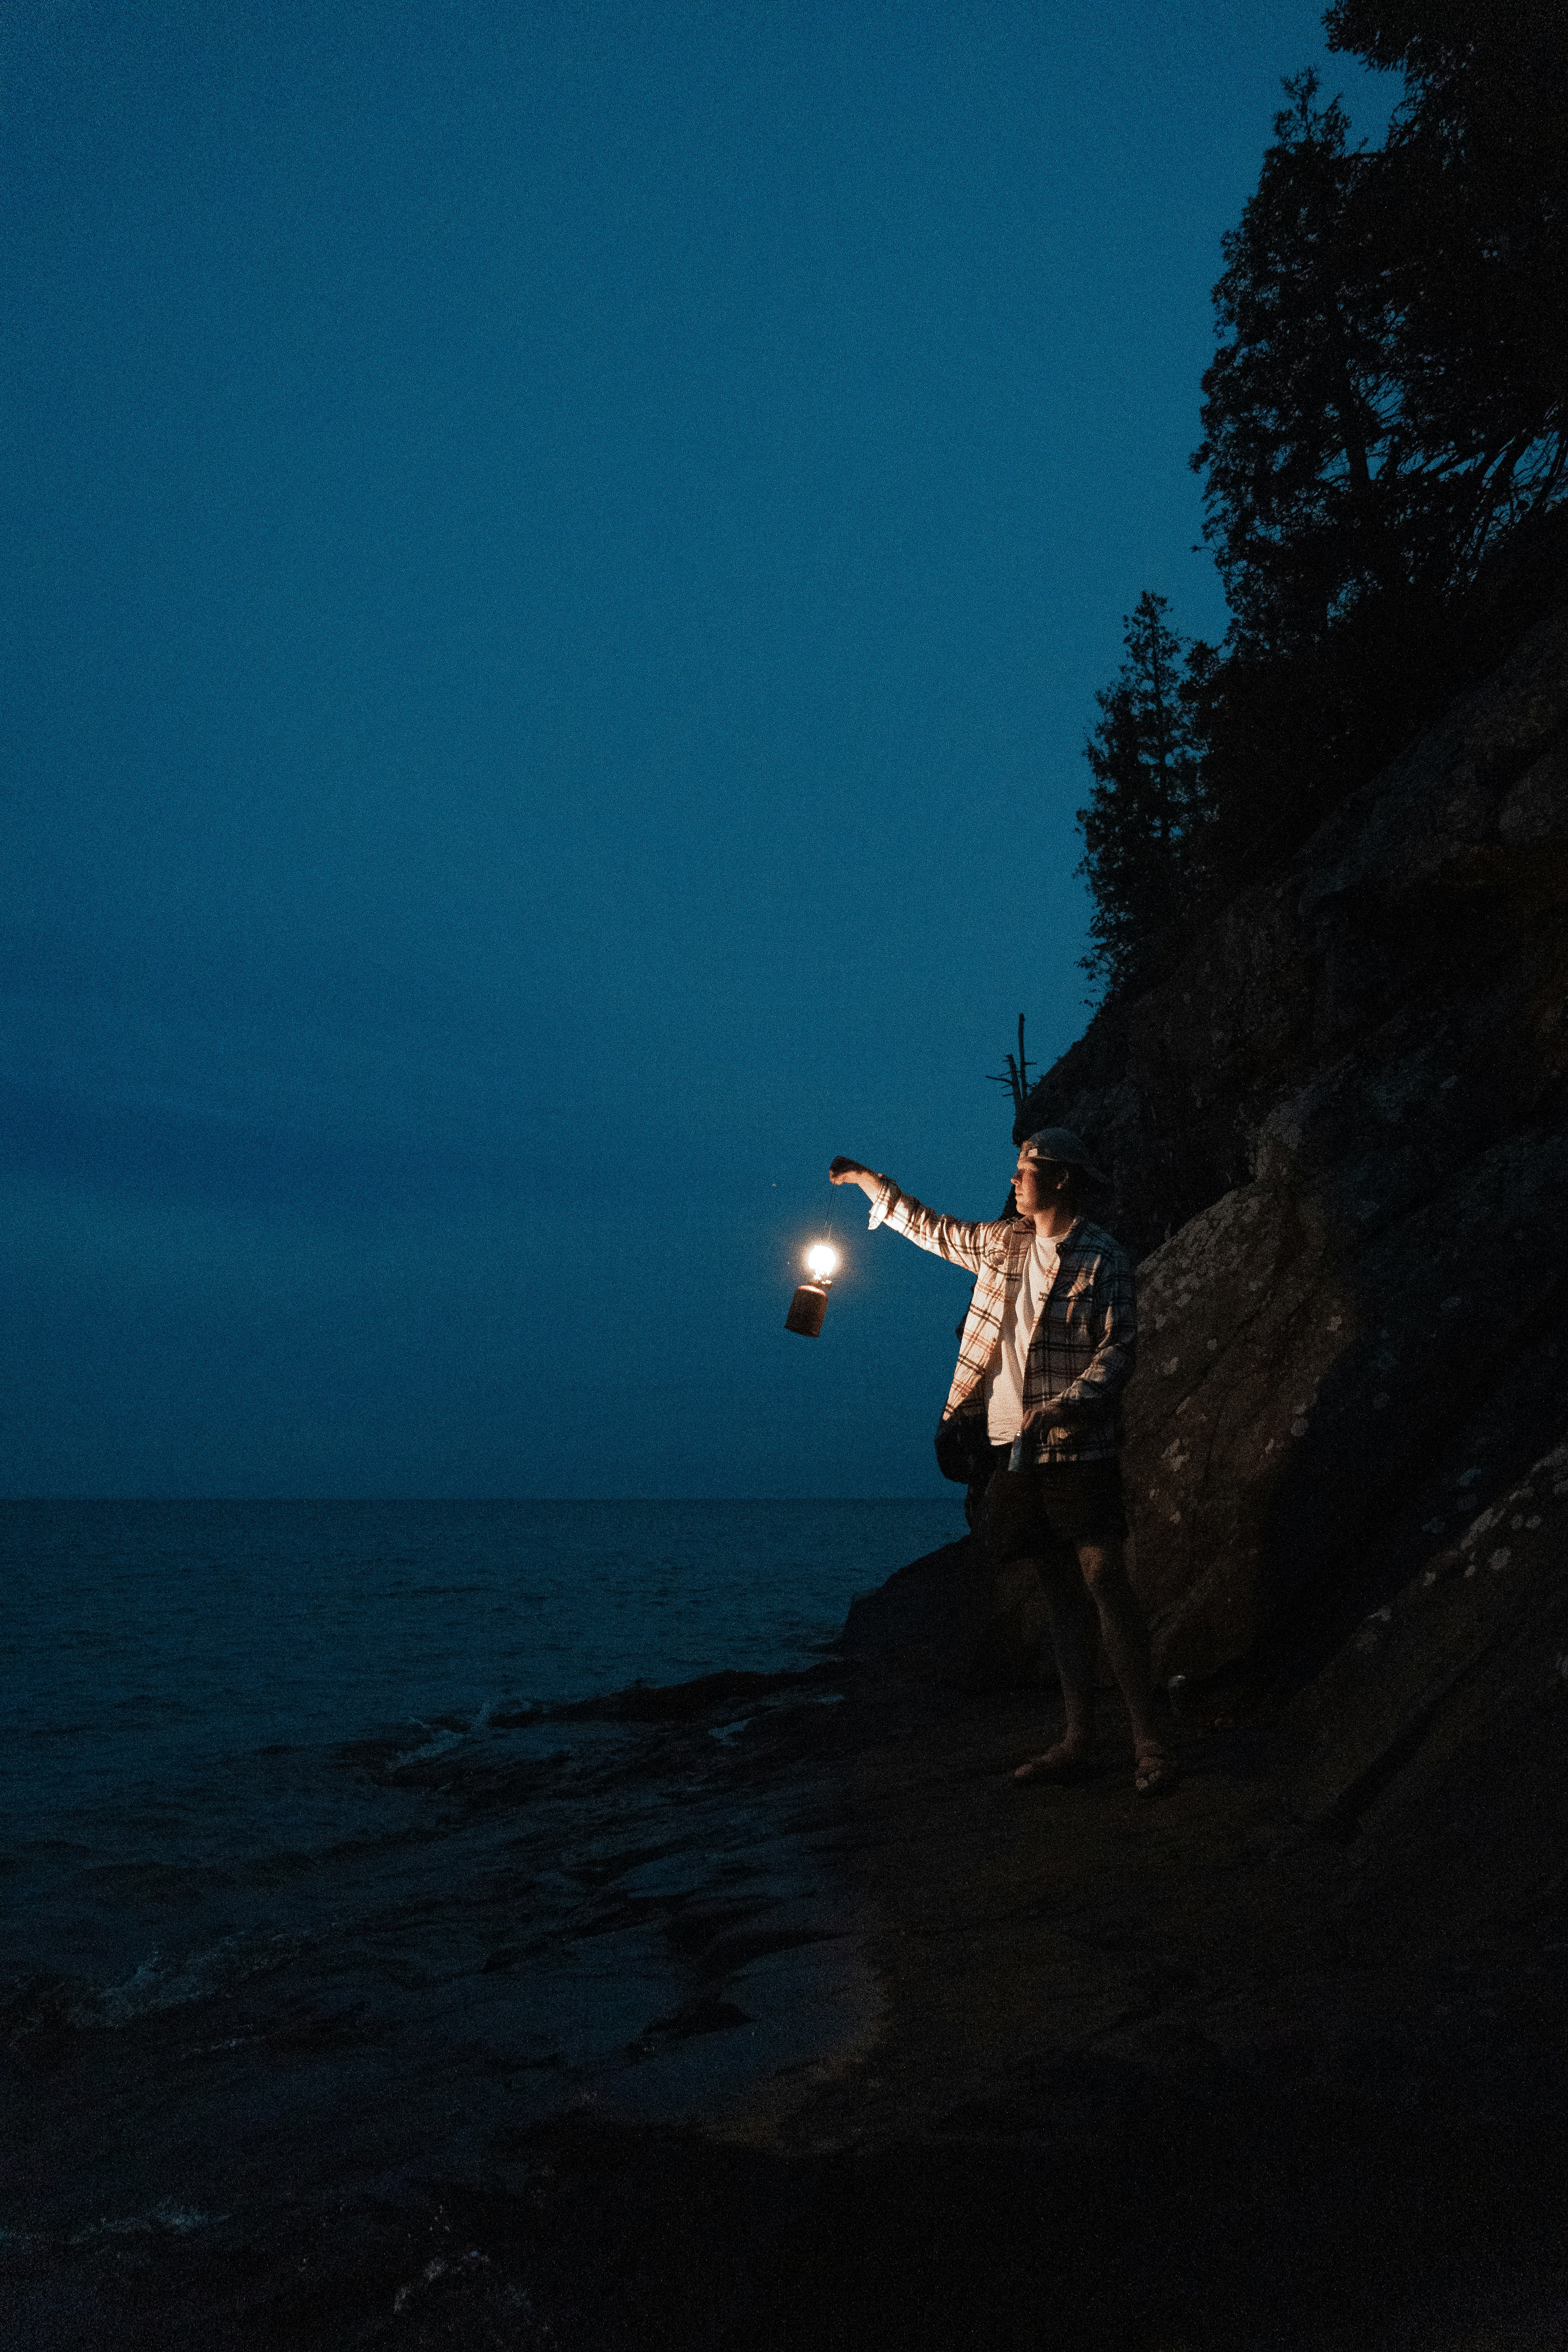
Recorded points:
954,1238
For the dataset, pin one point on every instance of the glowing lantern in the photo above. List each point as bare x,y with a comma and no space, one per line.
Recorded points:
809,1304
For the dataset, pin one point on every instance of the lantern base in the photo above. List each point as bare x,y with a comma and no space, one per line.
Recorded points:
806,1309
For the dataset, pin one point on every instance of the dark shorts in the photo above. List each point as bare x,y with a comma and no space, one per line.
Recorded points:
1071,1503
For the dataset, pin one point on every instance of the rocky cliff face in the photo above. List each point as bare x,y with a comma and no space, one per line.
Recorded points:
1338,1134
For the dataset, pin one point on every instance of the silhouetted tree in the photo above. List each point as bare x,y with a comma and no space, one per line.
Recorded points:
1386,453
1392,397
1299,402
1144,826
1471,187
1387,418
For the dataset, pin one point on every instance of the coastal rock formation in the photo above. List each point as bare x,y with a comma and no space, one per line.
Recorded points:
955,1617
1338,1134
1452,1692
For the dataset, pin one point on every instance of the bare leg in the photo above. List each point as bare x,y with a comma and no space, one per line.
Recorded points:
1071,1631
1124,1632
1127,1646
1099,1583
1071,1637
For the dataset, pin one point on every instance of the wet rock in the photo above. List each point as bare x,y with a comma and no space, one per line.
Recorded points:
464,2299
683,1702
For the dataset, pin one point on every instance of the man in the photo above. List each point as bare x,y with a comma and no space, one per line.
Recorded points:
1046,1347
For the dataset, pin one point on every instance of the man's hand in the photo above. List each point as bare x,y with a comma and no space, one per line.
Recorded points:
850,1171
1052,1412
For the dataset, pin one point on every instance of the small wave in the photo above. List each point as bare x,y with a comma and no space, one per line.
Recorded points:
179,2219
511,1715
507,1712
159,1984
439,1743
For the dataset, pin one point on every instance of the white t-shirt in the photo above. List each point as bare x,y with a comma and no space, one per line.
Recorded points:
1003,1383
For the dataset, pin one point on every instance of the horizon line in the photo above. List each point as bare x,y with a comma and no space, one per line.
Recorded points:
507,1499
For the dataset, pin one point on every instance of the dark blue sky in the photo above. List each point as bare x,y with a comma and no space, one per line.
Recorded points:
560,557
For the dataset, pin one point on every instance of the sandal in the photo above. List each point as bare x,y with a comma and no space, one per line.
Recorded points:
1155,1768
1058,1765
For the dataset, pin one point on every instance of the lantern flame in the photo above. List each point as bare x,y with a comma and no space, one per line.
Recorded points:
822,1261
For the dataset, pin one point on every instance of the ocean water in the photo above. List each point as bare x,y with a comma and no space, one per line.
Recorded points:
190,1691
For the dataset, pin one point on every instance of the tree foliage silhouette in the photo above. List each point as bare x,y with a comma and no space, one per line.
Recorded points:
1471,191
1384,451
1146,824
1392,399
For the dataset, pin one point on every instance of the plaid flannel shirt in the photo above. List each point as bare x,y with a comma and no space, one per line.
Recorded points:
1084,1345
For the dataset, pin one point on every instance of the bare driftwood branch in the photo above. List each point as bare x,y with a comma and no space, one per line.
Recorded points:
1017,1074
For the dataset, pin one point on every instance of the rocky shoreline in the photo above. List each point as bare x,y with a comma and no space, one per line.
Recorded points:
944,2061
